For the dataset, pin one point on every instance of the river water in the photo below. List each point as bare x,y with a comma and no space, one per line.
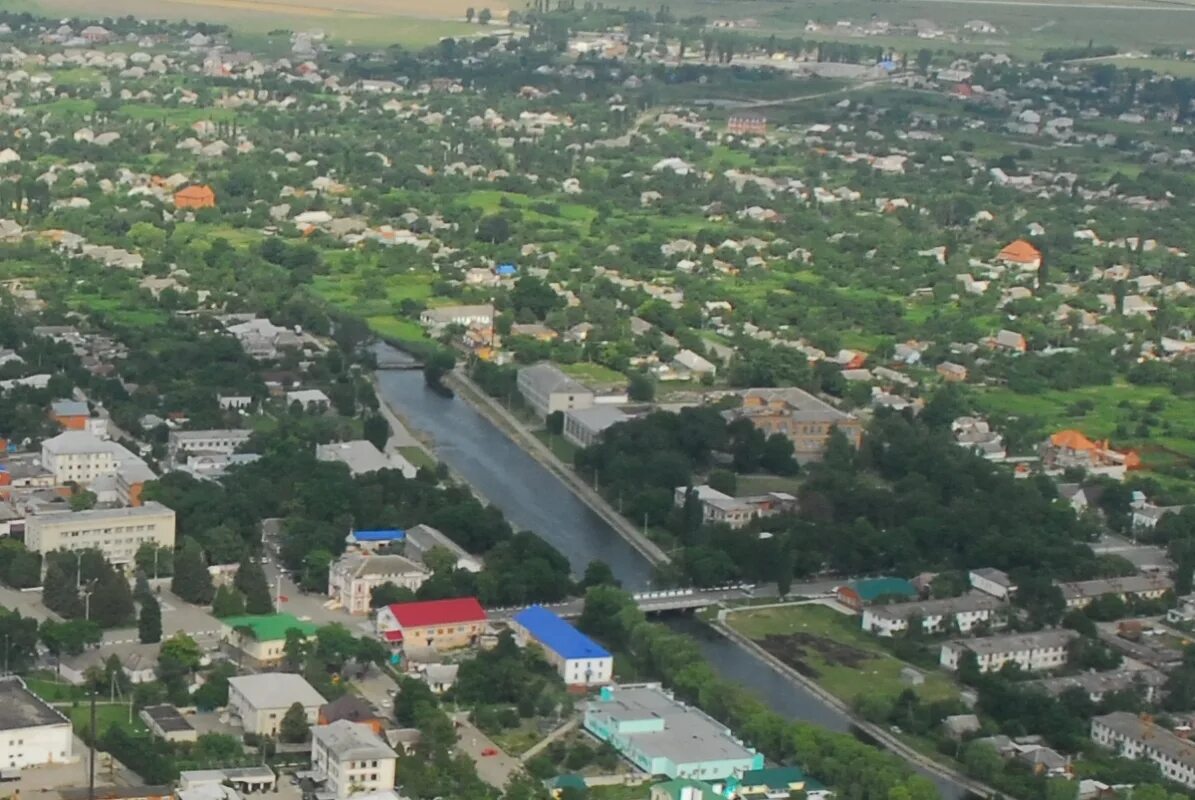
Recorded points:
530,496
534,499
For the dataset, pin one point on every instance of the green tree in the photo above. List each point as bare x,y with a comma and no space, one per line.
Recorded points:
376,430
389,593
82,500
484,16
192,582
251,581
228,602
294,727
149,624
154,561
68,638
723,480
111,599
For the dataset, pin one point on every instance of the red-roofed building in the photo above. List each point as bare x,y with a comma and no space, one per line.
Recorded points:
439,624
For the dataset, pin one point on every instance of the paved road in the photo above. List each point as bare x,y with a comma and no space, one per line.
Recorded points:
494,770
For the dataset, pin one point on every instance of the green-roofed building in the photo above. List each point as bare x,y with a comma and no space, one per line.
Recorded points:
561,783
260,638
870,591
776,783
684,789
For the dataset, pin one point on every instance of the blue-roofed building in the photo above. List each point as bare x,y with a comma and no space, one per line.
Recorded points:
506,270
580,660
374,539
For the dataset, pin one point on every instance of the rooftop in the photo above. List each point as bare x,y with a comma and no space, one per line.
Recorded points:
21,708
557,635
358,455
549,379
276,690
438,612
972,601
149,508
269,627
349,741
874,588
1131,584
1133,727
351,707
386,535
70,408
1013,642
685,736
167,718
597,418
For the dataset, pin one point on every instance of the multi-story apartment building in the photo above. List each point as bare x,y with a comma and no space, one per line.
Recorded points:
116,532
1138,738
351,759
78,457
1029,651
937,616
220,441
806,420
1079,594
546,389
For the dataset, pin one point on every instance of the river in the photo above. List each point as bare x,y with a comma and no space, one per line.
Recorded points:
534,499
530,496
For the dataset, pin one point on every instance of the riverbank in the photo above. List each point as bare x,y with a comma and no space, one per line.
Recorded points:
881,735
518,433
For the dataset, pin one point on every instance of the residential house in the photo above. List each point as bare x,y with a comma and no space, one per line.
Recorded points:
579,660
1148,682
355,709
1020,254
806,420
72,415
736,512
951,372
662,736
434,624
437,319
351,760
548,390
226,441
963,614
195,197
1070,448
261,701
353,577
775,783
1030,651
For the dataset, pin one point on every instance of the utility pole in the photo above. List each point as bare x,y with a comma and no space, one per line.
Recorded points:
91,760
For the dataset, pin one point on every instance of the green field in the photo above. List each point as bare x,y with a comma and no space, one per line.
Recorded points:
411,23
589,372
1171,427
835,652
418,457
106,715
1169,66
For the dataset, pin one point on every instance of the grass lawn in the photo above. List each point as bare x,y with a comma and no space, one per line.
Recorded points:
836,652
1169,66
517,741
53,691
402,329
761,484
618,792
418,456
106,715
559,447
589,372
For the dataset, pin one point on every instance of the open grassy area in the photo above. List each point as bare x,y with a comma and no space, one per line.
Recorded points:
831,648
418,457
761,484
1170,419
589,372
1168,66
106,715
53,691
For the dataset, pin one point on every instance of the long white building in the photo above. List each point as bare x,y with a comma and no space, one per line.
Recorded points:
1130,736
1029,651
937,616
116,532
32,732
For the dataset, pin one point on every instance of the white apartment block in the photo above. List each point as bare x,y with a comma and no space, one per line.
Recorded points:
547,390
351,759
1030,651
961,614
224,441
1130,736
116,532
1079,594
77,456
353,577
32,732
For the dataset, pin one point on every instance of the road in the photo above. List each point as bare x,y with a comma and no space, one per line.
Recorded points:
494,769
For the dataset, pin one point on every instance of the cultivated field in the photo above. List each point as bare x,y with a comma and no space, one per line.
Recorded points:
414,23
1026,27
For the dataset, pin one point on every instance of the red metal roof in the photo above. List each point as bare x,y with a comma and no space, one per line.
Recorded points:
392,636
438,612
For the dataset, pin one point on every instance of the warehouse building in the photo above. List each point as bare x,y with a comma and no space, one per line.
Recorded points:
579,660
32,732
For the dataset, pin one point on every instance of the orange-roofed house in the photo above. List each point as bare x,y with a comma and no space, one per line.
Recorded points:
1022,254
196,195
1070,448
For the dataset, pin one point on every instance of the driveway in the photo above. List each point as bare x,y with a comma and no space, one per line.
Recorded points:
494,770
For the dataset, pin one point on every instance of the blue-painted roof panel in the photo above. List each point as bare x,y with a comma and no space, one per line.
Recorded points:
557,635
387,535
